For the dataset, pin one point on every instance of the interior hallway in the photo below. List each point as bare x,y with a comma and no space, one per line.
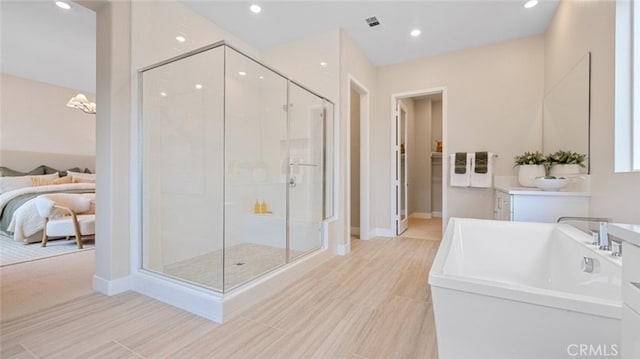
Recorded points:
374,303
424,229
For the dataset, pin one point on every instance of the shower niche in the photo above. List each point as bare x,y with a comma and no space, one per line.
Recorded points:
236,169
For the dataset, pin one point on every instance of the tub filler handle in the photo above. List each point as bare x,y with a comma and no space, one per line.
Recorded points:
603,229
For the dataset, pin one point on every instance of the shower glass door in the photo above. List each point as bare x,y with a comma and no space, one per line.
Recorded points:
307,135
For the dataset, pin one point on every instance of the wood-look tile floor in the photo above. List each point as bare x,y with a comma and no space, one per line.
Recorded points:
374,303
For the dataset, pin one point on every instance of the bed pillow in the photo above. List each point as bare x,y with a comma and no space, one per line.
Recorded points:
16,182
79,177
43,181
8,172
48,170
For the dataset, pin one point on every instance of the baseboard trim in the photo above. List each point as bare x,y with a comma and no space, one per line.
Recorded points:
112,287
198,301
436,214
344,249
421,215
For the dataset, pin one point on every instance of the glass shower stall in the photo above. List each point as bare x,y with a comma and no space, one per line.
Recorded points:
236,168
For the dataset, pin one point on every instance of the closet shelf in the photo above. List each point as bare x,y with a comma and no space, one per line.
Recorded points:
436,154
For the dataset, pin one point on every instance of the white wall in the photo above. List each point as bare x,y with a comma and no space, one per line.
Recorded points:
578,27
34,118
494,103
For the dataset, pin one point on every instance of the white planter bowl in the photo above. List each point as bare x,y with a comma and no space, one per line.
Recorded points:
528,173
564,170
550,184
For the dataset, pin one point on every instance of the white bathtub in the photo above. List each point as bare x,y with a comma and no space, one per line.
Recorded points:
516,290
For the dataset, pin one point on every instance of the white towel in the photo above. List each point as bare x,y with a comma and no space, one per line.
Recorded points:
459,179
481,180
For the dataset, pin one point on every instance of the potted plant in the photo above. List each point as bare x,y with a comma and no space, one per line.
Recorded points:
530,165
565,163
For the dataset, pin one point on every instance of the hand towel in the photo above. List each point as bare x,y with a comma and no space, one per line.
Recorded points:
460,179
480,164
461,162
482,180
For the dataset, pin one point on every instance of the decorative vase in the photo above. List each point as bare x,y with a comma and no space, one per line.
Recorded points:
559,170
528,173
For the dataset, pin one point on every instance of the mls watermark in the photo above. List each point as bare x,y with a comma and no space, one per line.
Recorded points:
592,350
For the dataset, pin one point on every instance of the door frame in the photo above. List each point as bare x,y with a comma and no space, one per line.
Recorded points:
392,148
365,211
402,188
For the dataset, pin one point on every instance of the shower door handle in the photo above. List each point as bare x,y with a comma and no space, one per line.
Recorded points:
292,181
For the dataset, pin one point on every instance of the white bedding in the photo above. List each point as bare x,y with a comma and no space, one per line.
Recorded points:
25,221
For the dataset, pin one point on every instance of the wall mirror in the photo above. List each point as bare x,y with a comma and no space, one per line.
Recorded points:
566,112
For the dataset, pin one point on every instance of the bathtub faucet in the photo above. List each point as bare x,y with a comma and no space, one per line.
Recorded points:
603,233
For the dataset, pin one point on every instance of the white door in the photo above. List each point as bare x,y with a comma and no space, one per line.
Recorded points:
402,169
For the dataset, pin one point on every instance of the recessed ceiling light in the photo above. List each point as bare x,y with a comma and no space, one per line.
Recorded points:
324,64
198,86
63,5
531,3
261,77
163,94
181,38
255,8
242,73
415,32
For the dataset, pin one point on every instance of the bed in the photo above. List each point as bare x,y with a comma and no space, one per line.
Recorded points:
19,218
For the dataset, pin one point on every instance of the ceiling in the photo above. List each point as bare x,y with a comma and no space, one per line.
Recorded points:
39,41
446,25
42,42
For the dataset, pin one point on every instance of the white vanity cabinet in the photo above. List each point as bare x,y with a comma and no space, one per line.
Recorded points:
630,287
533,205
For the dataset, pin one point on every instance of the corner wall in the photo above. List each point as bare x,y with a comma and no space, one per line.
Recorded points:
578,27
354,65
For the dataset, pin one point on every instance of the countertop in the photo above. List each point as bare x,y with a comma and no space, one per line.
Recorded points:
627,232
533,191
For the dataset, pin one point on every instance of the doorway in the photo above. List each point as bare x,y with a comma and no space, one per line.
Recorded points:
358,210
418,178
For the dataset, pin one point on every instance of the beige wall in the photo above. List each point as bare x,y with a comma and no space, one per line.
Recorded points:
494,95
34,118
578,27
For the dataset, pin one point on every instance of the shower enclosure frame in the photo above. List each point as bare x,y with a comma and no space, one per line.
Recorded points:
328,128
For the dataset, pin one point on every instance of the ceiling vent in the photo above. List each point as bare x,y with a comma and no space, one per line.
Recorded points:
372,21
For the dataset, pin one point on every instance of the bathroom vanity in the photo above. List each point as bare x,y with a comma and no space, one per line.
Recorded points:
529,204
630,234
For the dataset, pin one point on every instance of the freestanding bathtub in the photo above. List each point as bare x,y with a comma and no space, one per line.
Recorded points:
518,290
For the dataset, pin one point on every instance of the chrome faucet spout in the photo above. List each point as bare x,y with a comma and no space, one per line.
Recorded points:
603,228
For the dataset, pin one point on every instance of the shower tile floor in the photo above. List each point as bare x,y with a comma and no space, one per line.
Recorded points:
243,262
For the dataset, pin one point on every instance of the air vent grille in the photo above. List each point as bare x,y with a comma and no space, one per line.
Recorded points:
372,21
